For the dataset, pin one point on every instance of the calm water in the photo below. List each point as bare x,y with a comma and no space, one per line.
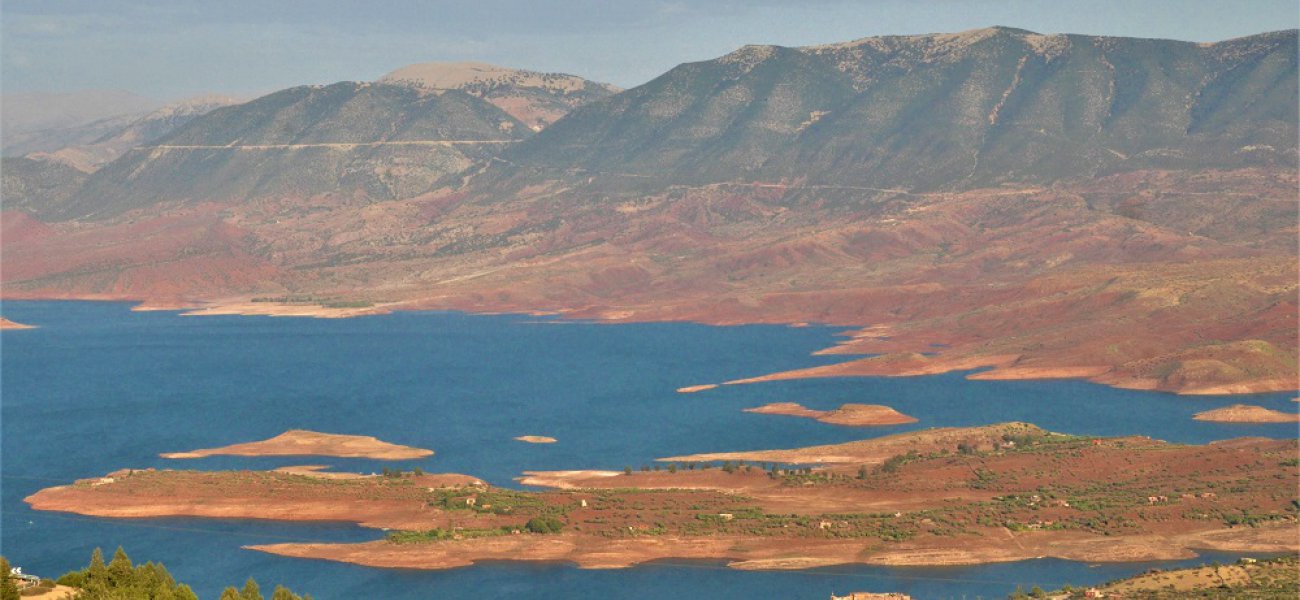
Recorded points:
97,388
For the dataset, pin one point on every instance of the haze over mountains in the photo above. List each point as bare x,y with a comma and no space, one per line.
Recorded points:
1058,205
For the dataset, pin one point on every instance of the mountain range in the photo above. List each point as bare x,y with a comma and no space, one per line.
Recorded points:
1118,209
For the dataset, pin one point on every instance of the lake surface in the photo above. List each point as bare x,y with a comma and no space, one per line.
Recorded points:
98,387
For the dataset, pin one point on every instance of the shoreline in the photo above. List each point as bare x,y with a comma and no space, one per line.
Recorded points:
301,442
6,324
847,415
750,554
990,367
944,496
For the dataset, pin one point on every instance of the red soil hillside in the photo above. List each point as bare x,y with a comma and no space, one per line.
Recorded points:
1103,279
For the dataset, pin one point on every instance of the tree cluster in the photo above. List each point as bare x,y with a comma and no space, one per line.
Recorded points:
120,580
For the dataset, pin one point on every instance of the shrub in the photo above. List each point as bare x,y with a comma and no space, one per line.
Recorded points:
544,525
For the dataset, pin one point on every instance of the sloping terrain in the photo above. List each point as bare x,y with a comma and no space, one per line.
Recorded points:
43,122
1153,248
106,148
40,187
536,99
937,112
380,141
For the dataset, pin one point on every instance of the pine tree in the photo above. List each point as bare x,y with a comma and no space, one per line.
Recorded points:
119,569
97,573
183,592
283,593
251,591
230,593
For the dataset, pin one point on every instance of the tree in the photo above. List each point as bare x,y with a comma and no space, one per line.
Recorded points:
283,593
8,589
544,525
119,569
230,593
97,572
183,592
250,591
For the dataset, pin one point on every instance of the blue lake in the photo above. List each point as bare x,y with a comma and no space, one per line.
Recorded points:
97,388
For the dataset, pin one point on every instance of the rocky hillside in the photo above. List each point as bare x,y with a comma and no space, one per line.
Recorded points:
937,112
537,99
144,130
381,141
1115,209
42,188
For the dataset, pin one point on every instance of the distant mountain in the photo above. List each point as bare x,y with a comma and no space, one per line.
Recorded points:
382,141
537,99
1117,209
144,130
935,112
42,188
44,122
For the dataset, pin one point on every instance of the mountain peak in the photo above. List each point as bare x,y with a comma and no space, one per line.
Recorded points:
469,74
533,97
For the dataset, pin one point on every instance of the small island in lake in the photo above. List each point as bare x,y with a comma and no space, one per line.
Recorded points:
299,442
1246,413
691,389
850,415
536,439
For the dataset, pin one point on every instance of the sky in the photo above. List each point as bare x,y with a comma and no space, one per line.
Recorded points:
171,49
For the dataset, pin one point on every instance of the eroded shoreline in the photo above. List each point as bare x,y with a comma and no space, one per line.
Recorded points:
950,496
897,362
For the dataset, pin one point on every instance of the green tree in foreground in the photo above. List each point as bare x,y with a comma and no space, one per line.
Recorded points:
8,589
120,580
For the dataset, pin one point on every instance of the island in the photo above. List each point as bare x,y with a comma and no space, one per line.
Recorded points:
536,439
691,389
1246,413
946,496
299,442
851,415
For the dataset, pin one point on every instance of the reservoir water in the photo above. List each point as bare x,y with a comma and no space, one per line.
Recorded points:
98,387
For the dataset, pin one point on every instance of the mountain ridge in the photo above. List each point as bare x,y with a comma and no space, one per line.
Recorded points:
970,107
1111,208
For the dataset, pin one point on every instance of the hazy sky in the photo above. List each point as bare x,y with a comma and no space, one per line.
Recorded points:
174,48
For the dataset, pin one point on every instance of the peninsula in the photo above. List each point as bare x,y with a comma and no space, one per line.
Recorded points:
7,324
935,497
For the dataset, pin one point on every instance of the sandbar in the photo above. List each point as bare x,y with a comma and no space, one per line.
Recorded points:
536,439
850,415
690,389
299,442
1245,413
